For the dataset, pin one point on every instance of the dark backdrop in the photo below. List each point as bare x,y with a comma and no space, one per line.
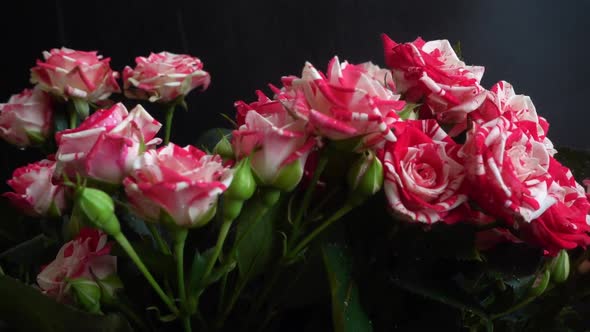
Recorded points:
541,47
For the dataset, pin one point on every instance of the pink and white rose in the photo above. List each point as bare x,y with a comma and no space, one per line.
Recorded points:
272,137
26,118
69,74
349,101
513,168
431,73
423,173
164,76
87,256
34,193
105,146
501,100
586,182
183,183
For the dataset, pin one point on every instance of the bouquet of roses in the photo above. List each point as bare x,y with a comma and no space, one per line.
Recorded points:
385,194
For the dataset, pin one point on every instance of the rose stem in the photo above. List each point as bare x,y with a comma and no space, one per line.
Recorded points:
168,129
143,269
179,241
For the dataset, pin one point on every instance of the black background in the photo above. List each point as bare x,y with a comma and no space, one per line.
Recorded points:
541,47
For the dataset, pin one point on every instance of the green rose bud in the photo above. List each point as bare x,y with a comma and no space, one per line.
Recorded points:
560,267
365,177
540,284
224,148
289,176
87,294
243,184
108,289
232,209
99,209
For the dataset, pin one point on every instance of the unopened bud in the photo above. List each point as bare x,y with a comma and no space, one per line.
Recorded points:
365,177
243,184
99,208
224,148
289,176
87,294
560,267
540,284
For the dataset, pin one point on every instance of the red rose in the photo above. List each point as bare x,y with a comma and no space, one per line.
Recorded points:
26,118
423,173
349,101
431,73
183,182
68,73
164,77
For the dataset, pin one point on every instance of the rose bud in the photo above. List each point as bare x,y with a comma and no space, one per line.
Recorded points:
69,74
560,267
34,193
87,294
241,189
540,284
26,119
365,177
99,209
164,77
224,149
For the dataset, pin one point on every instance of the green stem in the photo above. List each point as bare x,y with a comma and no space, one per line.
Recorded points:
307,197
73,118
162,245
179,242
347,207
222,289
225,226
168,128
513,308
122,240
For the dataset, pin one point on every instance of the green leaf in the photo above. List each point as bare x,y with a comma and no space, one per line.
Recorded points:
256,237
197,269
28,309
441,292
82,107
30,251
347,313
209,139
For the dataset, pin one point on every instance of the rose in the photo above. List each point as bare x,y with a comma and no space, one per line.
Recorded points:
273,139
565,225
163,77
513,168
26,118
106,144
586,182
433,72
34,194
87,256
68,73
180,183
423,173
350,101
501,100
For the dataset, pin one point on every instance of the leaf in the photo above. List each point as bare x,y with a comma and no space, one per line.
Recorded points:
255,236
441,292
197,269
347,313
30,251
26,308
209,139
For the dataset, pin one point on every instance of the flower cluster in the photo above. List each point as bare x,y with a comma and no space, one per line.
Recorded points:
443,148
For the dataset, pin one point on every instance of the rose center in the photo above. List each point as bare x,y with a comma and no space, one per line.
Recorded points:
425,175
